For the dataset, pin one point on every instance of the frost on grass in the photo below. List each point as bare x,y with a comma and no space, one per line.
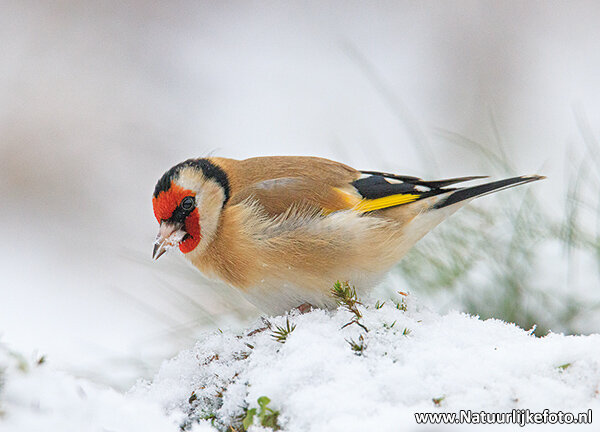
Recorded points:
370,367
366,366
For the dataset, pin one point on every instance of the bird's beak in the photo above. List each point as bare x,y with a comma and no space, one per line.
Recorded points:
169,235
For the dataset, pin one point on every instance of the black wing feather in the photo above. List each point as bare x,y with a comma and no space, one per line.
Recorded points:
484,189
434,184
376,186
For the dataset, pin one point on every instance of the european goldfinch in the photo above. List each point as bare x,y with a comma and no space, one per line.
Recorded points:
284,229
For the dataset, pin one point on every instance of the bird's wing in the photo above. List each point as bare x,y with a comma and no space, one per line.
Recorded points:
280,183
279,196
363,195
380,191
249,172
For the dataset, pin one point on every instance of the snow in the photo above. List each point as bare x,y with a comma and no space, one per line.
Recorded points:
414,360
36,397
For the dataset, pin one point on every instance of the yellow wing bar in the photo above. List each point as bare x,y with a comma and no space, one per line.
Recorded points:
367,205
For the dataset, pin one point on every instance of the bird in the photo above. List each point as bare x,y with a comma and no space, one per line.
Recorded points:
283,229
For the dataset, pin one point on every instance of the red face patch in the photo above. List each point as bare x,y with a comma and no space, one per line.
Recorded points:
192,226
165,204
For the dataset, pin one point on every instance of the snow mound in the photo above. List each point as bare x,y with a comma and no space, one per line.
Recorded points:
322,371
329,375
34,397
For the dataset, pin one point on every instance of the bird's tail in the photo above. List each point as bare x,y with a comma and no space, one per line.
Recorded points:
467,194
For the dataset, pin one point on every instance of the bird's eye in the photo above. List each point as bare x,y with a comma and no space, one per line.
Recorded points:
187,203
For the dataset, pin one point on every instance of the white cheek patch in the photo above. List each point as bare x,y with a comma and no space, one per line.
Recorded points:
209,197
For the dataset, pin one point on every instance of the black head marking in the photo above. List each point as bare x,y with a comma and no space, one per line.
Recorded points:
179,215
209,169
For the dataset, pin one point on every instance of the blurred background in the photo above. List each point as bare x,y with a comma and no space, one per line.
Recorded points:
100,98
